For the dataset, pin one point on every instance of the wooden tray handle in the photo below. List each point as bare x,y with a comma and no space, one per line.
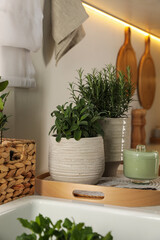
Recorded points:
88,194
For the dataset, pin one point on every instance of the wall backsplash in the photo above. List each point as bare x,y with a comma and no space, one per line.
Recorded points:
32,107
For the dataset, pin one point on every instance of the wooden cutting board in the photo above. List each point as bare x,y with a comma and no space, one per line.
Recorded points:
147,77
127,57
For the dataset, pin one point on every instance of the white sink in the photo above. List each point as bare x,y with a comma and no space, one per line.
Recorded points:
124,223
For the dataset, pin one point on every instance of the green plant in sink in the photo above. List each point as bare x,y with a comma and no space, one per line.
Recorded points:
44,229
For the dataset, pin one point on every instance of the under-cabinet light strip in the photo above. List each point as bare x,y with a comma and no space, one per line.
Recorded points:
119,21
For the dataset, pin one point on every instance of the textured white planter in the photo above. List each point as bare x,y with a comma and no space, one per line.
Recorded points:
76,161
117,137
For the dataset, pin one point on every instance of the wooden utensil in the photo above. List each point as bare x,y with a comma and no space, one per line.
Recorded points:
127,57
147,75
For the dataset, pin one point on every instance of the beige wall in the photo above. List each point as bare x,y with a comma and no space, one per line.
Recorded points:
32,107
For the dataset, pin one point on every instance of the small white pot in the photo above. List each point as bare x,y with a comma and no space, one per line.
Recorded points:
117,137
76,161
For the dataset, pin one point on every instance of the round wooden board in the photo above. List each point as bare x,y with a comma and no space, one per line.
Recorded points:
127,57
147,77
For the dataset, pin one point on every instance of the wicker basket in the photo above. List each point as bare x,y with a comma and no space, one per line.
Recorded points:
17,169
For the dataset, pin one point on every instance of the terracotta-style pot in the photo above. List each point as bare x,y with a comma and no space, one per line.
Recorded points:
117,137
76,161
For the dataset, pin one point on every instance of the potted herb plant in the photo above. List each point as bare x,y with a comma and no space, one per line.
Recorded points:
110,91
76,151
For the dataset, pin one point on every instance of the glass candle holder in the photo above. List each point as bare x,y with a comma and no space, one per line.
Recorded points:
139,165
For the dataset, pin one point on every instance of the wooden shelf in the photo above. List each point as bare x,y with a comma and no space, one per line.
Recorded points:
97,194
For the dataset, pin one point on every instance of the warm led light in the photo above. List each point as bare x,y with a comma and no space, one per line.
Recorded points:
119,21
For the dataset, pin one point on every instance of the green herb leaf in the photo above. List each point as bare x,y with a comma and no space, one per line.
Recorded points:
83,123
58,224
108,237
35,227
1,104
67,224
25,236
42,222
84,116
77,134
58,138
3,85
25,223
74,127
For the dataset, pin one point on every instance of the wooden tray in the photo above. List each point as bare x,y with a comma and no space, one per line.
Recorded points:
97,194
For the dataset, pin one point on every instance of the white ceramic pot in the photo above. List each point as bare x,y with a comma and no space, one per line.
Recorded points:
117,137
76,161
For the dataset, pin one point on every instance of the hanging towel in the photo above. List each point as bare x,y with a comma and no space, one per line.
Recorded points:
67,17
16,66
20,33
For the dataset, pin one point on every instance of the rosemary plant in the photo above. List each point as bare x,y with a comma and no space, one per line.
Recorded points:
109,90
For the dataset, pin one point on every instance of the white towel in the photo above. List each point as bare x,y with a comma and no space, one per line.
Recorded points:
20,33
65,26
16,66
